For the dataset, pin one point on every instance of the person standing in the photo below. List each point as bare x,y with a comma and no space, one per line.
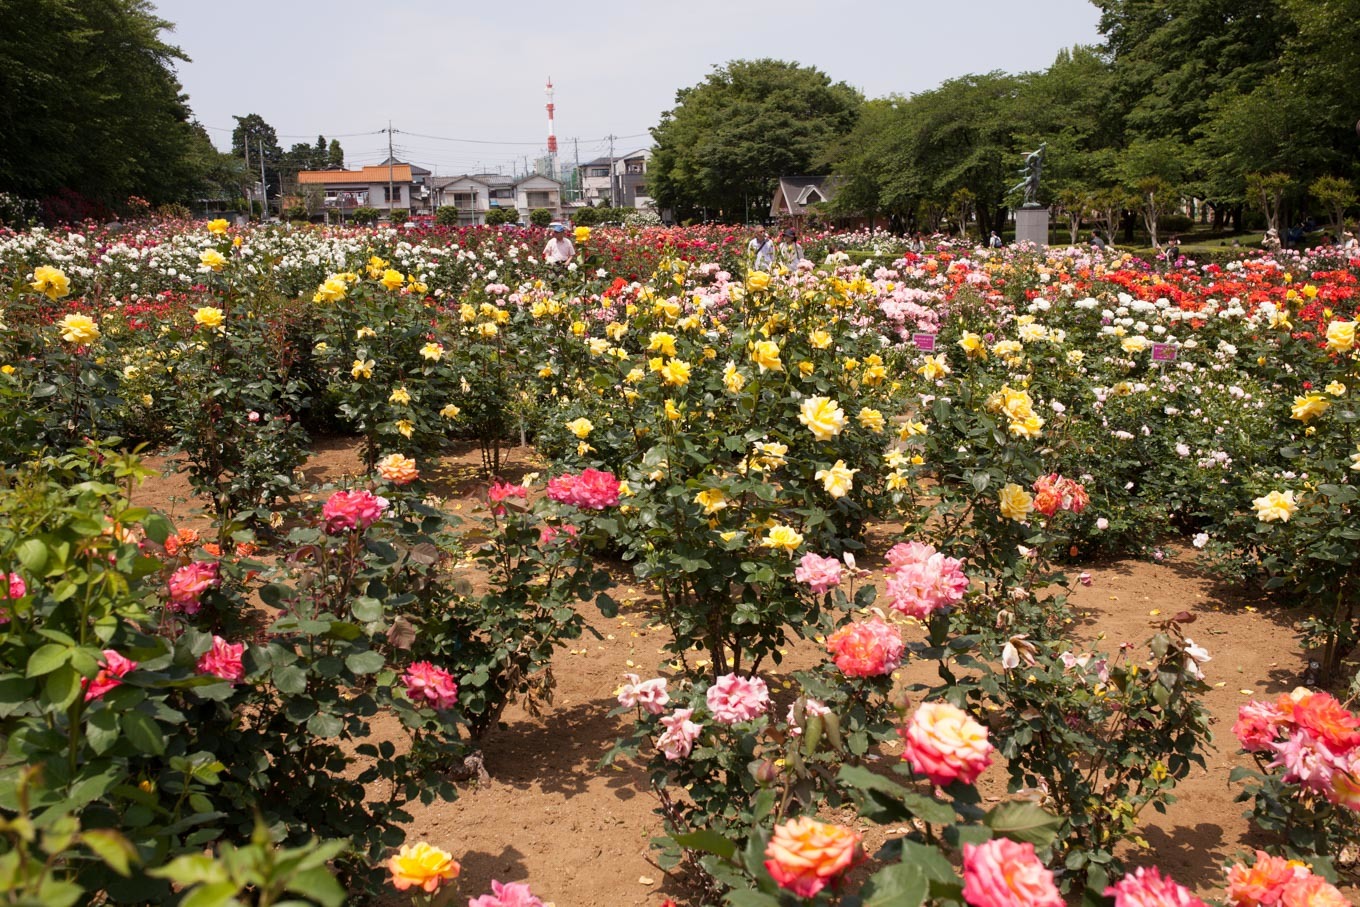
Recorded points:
995,240
761,250
790,251
559,248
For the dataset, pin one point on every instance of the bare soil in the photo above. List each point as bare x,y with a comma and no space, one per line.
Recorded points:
579,833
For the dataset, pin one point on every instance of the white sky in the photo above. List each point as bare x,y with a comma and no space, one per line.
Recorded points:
477,71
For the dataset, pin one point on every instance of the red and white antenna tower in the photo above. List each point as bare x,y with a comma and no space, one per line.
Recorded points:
552,133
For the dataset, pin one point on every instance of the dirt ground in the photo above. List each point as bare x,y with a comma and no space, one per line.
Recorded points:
579,833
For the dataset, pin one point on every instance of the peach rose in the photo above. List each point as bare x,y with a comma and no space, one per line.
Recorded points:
805,855
943,743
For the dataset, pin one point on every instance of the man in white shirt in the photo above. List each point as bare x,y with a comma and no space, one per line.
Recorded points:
761,248
559,248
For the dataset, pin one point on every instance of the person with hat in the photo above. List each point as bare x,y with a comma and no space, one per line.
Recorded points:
790,251
559,248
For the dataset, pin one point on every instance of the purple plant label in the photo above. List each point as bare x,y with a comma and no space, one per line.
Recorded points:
924,342
1163,352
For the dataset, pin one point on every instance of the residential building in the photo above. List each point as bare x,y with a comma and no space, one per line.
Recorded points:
395,186
799,199
629,180
473,195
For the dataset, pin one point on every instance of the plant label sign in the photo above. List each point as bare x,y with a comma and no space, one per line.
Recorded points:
924,342
1164,352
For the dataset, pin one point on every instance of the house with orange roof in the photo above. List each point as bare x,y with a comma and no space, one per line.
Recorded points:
391,185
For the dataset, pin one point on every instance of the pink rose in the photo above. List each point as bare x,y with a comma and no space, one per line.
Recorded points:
679,736
869,648
17,587
429,685
1263,882
732,699
591,490
1053,493
349,510
805,855
500,491
548,534
904,553
111,673
919,587
1258,724
188,583
811,709
223,660
1147,887
649,695
943,743
1006,873
820,574
508,894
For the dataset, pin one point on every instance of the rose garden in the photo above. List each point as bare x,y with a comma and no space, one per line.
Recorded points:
317,539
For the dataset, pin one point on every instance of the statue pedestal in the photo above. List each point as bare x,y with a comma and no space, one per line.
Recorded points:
1031,226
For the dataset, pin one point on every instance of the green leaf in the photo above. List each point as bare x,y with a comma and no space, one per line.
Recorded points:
323,724
214,894
157,528
318,885
290,679
32,553
707,841
144,733
62,686
47,658
102,730
111,847
1023,820
899,885
369,662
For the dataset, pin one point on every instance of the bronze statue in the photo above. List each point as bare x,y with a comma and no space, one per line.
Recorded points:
1034,165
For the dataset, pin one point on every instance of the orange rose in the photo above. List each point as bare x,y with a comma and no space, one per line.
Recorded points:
398,469
805,855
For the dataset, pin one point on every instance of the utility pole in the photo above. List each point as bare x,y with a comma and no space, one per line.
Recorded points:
612,202
580,186
264,187
389,170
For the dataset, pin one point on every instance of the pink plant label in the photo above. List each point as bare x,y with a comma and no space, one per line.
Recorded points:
1163,352
924,342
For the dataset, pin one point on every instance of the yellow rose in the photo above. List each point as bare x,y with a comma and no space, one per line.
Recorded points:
78,329
675,372
375,267
422,866
218,227
51,282
1309,407
581,233
766,355
712,500
757,280
1016,503
1027,427
661,342
1275,507
212,260
362,368
874,375
672,411
871,419
1336,389
911,430
488,329
782,538
933,368
405,427
333,289
768,455
450,411
838,481
1135,344
1340,336
733,380
401,396
432,351
392,280
819,339
823,417
973,345
209,317
581,427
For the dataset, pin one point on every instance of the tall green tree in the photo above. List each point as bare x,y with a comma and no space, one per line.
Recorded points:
89,102
252,130
725,144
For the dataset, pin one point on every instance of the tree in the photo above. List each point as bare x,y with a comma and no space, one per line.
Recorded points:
252,130
335,155
725,144
89,103
1336,195
1266,192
